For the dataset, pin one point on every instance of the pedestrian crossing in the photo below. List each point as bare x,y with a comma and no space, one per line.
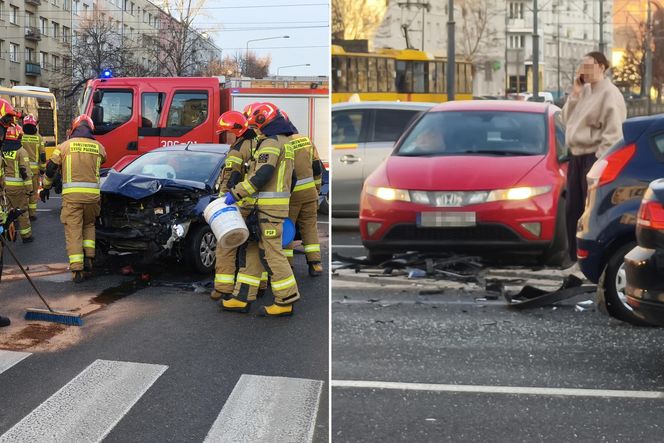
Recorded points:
88,407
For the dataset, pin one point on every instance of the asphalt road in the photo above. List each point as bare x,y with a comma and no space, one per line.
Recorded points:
453,366
157,363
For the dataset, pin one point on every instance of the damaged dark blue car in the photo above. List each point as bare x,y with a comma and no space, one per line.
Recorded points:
154,207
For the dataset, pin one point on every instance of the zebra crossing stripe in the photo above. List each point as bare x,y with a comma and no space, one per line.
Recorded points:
10,358
88,407
268,409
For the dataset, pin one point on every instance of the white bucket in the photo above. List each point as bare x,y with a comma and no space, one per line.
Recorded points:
226,223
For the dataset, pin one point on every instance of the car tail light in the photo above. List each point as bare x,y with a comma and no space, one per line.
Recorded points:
606,170
651,215
581,253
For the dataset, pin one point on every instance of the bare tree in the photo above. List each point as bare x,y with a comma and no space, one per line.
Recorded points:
477,37
356,19
249,65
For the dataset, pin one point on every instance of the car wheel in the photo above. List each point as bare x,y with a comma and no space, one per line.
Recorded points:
101,257
557,254
324,207
200,249
611,296
378,257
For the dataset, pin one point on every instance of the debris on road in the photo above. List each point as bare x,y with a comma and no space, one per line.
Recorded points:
532,297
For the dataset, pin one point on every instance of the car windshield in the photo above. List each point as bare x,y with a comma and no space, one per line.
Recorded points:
180,165
476,132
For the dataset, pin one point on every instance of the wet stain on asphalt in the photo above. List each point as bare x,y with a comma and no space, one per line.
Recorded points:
31,335
115,293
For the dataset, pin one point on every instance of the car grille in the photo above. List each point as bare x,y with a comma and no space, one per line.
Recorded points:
475,234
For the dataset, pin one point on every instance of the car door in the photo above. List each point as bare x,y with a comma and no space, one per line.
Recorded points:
349,134
387,127
149,128
189,118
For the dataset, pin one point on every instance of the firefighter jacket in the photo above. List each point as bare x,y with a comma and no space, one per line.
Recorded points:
308,169
17,171
34,145
237,162
270,175
79,159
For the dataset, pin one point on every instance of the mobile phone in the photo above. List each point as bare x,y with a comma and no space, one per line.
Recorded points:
581,80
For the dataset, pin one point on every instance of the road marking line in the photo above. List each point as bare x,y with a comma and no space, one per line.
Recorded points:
268,409
513,390
10,358
44,210
89,406
348,246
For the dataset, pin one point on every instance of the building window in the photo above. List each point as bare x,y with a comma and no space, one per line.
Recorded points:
66,63
2,49
66,34
56,30
516,10
29,55
42,59
66,5
76,5
131,9
13,52
56,61
29,19
517,41
86,9
126,5
43,26
2,10
13,15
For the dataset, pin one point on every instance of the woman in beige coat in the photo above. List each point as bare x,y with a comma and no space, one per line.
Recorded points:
593,115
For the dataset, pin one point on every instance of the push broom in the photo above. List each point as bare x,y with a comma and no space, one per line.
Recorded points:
49,314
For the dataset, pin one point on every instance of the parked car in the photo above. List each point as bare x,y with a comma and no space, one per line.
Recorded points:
486,177
154,206
363,135
606,230
644,265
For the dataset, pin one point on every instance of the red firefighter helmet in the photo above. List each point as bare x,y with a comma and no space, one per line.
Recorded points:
7,113
263,114
233,122
14,133
82,119
30,120
248,110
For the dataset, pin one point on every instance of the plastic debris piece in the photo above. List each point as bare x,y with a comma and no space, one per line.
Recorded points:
578,308
417,273
586,303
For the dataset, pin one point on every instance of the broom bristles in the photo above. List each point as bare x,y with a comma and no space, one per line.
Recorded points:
66,318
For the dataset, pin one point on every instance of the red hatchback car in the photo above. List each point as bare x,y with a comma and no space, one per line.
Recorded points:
481,177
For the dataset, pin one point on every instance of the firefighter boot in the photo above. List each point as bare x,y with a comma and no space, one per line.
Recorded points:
77,276
234,305
4,321
315,269
216,295
88,264
276,310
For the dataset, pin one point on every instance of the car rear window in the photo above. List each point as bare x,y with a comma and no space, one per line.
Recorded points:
476,132
175,165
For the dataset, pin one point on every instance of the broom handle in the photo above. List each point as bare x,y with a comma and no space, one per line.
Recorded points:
26,274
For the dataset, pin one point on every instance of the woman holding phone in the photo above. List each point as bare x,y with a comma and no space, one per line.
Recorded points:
593,115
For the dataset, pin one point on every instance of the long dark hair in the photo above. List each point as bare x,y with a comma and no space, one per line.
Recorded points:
600,59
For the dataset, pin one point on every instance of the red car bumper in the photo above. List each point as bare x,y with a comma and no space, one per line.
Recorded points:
499,226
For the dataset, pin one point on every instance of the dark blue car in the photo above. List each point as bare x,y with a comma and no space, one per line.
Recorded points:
606,230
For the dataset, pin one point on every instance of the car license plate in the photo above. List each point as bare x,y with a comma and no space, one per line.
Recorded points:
446,219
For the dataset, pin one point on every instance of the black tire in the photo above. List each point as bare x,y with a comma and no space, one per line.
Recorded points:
200,249
610,288
557,254
324,207
378,257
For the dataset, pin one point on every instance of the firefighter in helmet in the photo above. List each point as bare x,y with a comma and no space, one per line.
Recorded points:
18,178
269,182
33,143
79,159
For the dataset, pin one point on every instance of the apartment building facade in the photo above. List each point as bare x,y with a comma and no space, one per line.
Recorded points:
36,36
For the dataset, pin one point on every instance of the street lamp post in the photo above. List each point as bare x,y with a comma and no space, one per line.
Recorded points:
246,54
291,66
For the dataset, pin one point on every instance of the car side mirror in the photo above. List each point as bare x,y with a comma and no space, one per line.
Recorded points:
97,115
97,96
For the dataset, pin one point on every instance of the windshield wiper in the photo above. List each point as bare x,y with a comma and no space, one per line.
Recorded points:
497,152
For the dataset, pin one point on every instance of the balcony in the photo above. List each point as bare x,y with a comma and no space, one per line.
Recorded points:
33,2
32,68
32,33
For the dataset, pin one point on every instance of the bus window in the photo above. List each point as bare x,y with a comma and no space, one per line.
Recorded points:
460,78
188,109
469,78
117,107
339,73
151,104
391,76
439,78
351,79
372,75
419,77
361,74
381,74
402,77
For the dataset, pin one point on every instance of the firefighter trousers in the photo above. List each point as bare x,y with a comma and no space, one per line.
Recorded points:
32,205
266,252
79,221
226,270
18,199
304,215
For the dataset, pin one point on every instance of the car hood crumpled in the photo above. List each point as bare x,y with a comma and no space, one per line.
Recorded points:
138,186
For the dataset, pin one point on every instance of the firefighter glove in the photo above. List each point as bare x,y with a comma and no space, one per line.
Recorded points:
230,198
24,174
44,195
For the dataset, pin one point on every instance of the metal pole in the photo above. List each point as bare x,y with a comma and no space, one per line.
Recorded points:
507,78
423,28
451,65
602,45
535,71
648,79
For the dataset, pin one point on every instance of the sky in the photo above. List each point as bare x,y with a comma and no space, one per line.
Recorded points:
231,24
